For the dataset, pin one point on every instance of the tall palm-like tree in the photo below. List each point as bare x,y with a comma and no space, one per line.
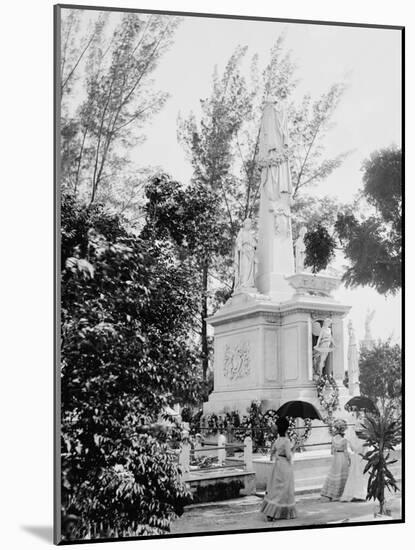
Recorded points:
382,433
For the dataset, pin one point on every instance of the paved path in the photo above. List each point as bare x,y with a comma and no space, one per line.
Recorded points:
243,513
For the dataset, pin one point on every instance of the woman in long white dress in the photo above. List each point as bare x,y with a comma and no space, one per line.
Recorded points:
356,484
336,479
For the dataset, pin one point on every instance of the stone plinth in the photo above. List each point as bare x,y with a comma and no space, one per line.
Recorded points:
263,350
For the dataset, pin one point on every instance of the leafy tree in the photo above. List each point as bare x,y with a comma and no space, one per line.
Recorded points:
210,148
312,212
76,41
373,244
310,124
126,353
320,247
184,216
381,372
120,97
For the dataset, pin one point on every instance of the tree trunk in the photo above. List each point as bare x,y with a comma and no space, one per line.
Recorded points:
204,313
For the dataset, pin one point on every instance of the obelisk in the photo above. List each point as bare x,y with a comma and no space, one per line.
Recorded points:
275,244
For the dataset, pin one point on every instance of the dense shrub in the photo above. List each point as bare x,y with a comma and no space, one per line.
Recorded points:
125,354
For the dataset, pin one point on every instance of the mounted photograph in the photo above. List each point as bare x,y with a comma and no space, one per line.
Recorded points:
228,245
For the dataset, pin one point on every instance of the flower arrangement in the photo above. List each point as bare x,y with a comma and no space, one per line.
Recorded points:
211,424
276,157
328,394
204,462
260,426
295,436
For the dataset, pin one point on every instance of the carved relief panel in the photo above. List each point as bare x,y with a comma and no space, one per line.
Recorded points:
237,361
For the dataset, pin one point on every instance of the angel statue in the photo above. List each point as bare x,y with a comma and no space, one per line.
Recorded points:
325,344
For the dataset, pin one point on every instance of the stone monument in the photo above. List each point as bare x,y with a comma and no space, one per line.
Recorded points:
282,326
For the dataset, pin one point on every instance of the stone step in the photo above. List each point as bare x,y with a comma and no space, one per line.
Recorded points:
307,490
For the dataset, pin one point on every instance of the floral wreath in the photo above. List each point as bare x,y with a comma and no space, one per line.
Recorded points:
269,425
331,403
294,434
276,157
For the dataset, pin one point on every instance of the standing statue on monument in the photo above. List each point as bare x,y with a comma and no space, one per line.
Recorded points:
325,344
245,259
274,157
353,361
300,250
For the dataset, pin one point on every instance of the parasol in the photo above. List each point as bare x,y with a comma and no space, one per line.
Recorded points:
361,403
299,409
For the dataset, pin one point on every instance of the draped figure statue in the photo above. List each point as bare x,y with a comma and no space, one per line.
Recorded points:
273,148
244,262
273,155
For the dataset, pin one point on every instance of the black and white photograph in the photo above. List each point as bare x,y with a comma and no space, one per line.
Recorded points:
229,235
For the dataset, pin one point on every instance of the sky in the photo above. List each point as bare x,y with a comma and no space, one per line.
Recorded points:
368,118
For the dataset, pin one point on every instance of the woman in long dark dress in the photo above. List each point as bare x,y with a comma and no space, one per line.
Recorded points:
279,500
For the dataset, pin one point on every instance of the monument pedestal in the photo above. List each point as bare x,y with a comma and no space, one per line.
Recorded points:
263,350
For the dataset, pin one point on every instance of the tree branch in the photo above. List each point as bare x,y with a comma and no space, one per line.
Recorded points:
305,159
77,62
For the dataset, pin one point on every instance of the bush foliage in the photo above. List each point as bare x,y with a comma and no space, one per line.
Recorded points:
126,353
